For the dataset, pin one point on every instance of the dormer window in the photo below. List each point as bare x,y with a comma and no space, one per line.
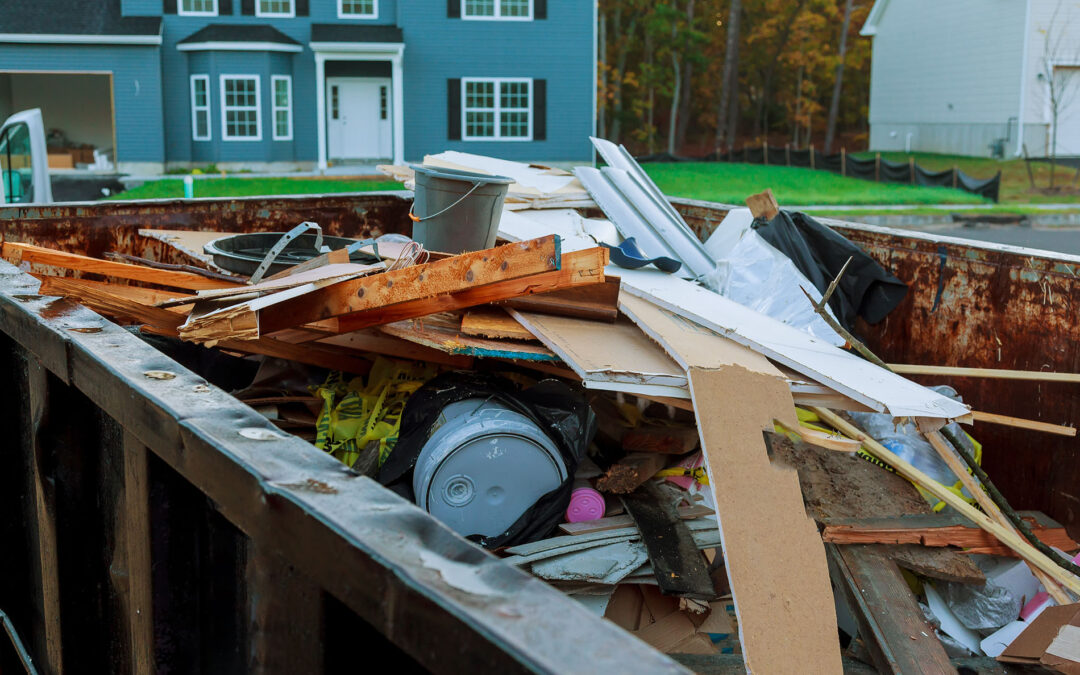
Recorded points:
507,10
198,8
358,9
275,8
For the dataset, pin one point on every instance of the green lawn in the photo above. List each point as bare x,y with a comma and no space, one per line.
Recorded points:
733,183
256,187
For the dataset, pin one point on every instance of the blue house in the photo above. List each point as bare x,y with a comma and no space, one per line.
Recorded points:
302,84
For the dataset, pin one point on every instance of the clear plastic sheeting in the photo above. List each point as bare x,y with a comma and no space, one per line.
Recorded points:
756,275
981,608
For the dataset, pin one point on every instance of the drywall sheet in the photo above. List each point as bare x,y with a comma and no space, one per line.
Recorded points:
531,180
845,372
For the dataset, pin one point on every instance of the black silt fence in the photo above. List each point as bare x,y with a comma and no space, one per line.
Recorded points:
876,169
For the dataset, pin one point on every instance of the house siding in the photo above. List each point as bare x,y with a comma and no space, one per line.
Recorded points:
137,88
140,7
948,73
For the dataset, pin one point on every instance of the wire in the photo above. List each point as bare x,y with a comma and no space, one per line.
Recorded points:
412,254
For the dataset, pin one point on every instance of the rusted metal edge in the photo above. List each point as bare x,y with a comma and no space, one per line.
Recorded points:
440,598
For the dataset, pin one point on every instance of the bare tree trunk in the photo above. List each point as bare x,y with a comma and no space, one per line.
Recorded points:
602,113
676,78
733,106
834,106
795,127
1053,143
761,114
731,70
620,69
649,119
687,86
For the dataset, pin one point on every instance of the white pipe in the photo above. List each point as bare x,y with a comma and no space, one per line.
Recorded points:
1023,81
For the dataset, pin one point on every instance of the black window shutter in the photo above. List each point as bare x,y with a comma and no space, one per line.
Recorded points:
453,9
169,7
539,9
303,7
453,109
247,7
539,110
224,7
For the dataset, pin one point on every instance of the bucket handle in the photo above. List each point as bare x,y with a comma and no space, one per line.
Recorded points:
416,219
273,253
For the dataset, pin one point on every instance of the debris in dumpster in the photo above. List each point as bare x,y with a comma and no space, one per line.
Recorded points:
599,302
630,472
443,332
586,504
1052,640
493,322
615,522
628,255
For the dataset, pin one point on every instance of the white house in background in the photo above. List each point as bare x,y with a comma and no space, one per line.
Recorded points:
965,76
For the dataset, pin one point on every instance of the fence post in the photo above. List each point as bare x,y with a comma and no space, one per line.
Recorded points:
911,168
765,152
843,161
954,170
812,153
877,167
787,153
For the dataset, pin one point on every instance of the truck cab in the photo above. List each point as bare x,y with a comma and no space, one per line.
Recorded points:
24,169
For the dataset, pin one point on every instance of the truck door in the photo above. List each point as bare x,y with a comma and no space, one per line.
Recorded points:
24,167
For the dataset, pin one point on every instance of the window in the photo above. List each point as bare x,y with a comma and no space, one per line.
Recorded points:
510,10
358,9
282,87
497,109
382,102
240,110
200,107
275,8
334,110
16,165
197,8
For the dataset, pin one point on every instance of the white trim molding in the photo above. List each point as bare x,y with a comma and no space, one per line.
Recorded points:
361,51
869,27
238,47
59,39
497,16
373,15
275,108
496,109
180,11
225,108
195,109
291,14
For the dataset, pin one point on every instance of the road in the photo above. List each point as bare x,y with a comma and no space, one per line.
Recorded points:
1059,239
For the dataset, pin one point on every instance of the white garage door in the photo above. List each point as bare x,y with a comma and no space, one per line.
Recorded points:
1067,85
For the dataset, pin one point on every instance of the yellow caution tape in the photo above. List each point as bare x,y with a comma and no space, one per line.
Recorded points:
697,474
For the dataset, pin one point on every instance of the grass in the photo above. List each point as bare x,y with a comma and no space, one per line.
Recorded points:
256,187
733,183
1001,209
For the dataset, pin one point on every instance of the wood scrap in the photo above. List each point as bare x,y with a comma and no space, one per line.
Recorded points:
628,473
375,342
338,257
188,243
468,270
1031,425
666,440
598,302
441,332
935,530
17,253
493,322
336,272
615,522
763,206
993,373
154,264
139,294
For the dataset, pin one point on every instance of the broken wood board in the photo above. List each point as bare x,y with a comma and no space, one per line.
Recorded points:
493,322
374,342
452,275
763,206
333,272
618,355
616,522
937,530
441,332
585,267
16,254
144,296
598,302
667,440
624,476
189,243
787,621
842,371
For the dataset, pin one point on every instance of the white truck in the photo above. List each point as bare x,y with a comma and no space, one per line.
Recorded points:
24,160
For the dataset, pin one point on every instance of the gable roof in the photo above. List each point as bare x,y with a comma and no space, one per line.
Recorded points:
334,32
239,32
870,27
75,17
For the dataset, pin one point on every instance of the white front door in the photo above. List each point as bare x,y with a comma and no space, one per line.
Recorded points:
359,119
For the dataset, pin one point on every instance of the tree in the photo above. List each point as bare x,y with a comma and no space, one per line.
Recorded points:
731,75
838,85
1061,84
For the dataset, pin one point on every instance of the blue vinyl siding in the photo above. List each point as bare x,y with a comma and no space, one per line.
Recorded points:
140,7
137,90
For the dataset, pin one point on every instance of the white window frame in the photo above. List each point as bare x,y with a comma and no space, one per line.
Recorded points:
195,109
180,11
278,15
498,81
498,13
275,108
342,15
258,108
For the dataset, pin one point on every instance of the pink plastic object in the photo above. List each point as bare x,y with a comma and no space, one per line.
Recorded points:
585,504
692,462
1036,605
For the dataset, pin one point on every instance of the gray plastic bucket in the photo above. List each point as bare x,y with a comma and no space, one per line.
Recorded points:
456,211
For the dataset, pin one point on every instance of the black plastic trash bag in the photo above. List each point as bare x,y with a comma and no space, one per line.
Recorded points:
561,411
867,289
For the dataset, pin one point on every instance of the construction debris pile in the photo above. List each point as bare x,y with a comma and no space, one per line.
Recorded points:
685,436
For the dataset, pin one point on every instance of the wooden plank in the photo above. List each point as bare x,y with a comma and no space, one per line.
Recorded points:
286,631
1003,534
763,206
599,302
136,536
189,243
440,331
677,563
16,253
763,520
664,440
1032,425
950,371
374,342
468,270
944,532
628,473
616,522
892,626
139,294
335,272
578,268
494,322
842,371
